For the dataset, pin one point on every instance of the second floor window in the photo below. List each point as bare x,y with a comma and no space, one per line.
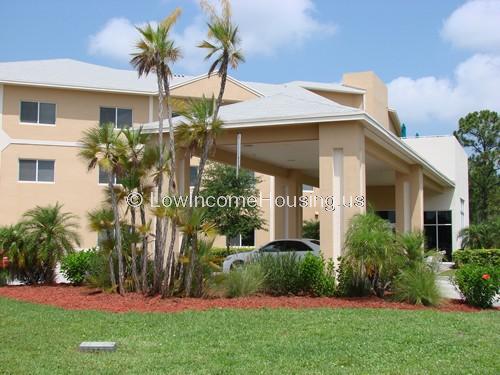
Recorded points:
103,177
31,170
119,117
38,113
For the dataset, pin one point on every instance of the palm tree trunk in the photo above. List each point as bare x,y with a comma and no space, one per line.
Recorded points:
144,271
112,276
169,269
158,260
135,276
192,265
118,235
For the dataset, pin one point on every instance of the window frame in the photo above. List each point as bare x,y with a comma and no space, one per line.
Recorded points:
436,225
36,172
115,183
116,115
37,123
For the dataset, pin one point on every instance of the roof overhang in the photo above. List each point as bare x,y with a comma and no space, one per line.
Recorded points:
374,131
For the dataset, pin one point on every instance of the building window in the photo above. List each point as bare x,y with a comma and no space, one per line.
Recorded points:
390,216
307,188
193,175
245,239
103,177
38,113
31,170
437,229
119,117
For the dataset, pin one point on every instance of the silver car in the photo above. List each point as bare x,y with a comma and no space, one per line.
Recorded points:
300,246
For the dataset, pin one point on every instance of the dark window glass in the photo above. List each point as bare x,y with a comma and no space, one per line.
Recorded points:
29,112
296,246
124,118
248,239
27,170
193,174
272,247
316,242
234,241
429,217
390,216
47,113
444,237
46,170
444,217
107,115
430,237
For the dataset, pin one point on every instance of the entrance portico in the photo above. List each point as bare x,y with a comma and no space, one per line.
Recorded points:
345,159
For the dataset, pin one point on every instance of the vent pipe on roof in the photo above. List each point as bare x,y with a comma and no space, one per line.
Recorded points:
403,131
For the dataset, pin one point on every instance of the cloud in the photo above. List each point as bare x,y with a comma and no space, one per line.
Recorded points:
115,40
266,26
474,26
434,105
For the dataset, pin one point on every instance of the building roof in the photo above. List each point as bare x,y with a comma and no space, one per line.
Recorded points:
332,87
68,73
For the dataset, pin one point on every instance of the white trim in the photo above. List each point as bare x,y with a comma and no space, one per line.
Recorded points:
272,188
338,191
36,142
1,106
82,88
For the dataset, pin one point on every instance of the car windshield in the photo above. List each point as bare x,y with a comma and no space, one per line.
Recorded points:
316,242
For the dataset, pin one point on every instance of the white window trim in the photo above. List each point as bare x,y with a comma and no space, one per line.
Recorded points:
116,115
36,172
38,123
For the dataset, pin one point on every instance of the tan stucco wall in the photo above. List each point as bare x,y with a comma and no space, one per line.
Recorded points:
210,86
76,111
78,190
375,97
381,198
350,100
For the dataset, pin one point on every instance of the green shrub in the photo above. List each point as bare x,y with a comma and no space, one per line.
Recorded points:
76,266
317,278
349,284
481,236
310,229
479,285
417,285
282,273
4,277
241,282
371,251
480,257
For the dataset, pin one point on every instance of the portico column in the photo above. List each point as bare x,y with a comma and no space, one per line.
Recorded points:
342,176
182,182
410,200
286,213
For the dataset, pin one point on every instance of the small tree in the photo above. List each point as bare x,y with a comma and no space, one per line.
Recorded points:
310,229
237,218
480,133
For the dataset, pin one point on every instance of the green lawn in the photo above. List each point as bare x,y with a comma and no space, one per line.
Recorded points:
43,340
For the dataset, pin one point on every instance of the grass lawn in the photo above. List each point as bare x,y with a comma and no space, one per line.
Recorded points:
43,340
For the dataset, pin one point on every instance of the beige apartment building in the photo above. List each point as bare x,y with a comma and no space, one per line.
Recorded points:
329,140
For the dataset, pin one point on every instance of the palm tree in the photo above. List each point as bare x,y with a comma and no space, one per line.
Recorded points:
54,232
223,45
101,221
103,146
156,52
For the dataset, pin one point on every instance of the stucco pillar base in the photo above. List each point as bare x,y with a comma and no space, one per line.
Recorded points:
341,176
409,196
287,216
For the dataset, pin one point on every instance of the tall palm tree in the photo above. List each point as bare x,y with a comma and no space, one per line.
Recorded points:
155,53
101,221
103,146
53,231
222,44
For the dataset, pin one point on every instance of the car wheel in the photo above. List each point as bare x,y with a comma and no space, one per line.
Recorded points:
236,265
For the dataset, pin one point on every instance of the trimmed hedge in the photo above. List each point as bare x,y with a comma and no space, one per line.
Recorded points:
478,284
480,257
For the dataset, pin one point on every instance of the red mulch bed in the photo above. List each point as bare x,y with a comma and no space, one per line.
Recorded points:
82,298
